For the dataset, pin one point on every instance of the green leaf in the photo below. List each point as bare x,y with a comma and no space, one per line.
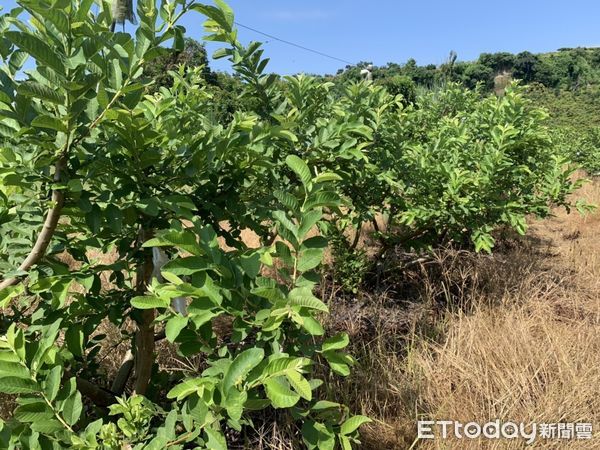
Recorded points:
52,384
483,241
283,133
60,292
327,176
339,362
312,325
309,220
279,392
37,90
49,122
148,206
353,423
310,259
93,219
286,199
323,405
58,18
282,365
7,294
186,266
235,403
171,278
273,294
251,264
216,440
74,338
72,407
221,53
184,240
149,302
116,75
197,409
47,426
227,12
337,342
36,411
315,242
283,219
114,218
8,356
187,387
345,442
300,384
300,168
322,199
37,48
14,385
14,369
17,60
318,436
241,367
304,297
16,340
174,327
200,311
216,15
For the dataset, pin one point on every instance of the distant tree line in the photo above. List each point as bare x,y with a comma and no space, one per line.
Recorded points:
564,69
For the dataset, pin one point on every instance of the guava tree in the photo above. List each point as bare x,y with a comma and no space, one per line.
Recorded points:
113,197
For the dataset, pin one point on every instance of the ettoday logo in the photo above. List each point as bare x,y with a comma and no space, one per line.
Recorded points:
497,429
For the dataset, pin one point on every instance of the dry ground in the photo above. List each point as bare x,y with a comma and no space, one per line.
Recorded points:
514,337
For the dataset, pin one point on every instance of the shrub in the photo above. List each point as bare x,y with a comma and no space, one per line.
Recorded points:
152,180
400,85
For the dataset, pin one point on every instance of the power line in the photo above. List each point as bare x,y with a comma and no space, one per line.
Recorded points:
270,36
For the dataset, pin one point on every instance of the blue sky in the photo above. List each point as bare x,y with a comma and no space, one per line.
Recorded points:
395,30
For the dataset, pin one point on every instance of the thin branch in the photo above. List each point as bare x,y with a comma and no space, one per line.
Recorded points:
99,396
43,240
123,374
58,198
356,237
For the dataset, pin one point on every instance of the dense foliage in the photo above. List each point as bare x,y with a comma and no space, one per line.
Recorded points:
103,155
575,119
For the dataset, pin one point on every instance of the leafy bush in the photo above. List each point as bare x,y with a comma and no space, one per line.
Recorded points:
146,174
484,164
583,147
350,263
452,167
400,85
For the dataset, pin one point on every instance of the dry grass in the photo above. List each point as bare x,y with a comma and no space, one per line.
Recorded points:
514,337
524,364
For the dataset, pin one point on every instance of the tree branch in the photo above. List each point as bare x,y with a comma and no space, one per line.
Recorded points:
120,381
43,240
99,396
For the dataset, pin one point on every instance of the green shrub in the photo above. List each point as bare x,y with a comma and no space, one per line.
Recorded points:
483,164
400,85
150,178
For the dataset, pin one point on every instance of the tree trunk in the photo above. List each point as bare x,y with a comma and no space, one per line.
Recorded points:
144,338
